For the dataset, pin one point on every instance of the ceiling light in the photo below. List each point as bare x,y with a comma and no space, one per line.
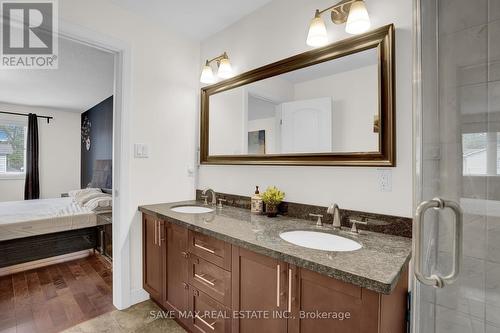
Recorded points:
351,12
224,70
317,32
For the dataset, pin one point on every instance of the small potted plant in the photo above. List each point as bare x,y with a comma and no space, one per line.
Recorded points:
272,197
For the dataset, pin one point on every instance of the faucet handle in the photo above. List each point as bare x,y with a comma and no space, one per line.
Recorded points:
220,203
354,228
319,223
205,197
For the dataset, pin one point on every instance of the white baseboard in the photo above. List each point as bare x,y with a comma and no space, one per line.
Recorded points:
44,262
138,296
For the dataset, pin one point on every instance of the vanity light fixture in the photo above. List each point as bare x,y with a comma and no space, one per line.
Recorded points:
224,69
351,12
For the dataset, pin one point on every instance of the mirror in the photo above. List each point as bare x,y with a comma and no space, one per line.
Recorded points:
329,106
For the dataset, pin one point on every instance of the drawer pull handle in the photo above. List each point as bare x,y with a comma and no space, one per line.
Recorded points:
156,232
211,326
278,285
204,248
202,278
160,239
289,290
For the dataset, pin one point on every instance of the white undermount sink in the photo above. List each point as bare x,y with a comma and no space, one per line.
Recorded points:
191,209
320,241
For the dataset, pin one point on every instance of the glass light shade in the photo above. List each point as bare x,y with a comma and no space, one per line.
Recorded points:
225,70
358,20
207,75
317,32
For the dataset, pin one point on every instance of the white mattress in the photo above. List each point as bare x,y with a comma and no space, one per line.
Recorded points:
35,217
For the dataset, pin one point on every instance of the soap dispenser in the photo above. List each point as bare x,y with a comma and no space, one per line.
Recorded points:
257,205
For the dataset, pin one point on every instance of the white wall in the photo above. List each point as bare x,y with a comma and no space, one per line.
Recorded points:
227,136
271,34
268,125
59,144
355,103
163,95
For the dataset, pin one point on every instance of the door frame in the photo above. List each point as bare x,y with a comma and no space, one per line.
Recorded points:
417,156
122,294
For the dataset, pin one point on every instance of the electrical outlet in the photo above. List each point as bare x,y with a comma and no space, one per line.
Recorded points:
384,180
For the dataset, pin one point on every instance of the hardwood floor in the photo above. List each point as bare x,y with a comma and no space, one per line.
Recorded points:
53,298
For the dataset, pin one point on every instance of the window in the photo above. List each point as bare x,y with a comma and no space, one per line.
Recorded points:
481,153
12,148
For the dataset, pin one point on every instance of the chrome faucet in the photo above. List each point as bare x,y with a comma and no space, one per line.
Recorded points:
205,196
334,210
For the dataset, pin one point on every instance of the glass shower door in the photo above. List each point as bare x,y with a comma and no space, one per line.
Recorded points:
457,159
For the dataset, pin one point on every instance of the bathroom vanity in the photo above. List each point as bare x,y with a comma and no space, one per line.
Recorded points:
236,274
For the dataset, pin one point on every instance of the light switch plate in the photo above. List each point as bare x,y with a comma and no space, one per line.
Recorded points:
384,180
141,150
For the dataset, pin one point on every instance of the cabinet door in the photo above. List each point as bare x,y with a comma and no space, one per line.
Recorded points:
259,283
316,295
207,314
153,256
176,296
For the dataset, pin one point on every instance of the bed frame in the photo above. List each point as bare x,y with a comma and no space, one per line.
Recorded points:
22,250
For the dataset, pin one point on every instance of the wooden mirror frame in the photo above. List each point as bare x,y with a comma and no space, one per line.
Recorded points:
383,40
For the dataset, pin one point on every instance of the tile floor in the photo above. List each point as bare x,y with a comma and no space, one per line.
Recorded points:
137,318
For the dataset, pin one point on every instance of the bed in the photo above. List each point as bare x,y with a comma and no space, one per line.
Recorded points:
20,219
37,229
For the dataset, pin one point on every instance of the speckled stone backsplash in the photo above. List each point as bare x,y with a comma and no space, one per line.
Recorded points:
386,224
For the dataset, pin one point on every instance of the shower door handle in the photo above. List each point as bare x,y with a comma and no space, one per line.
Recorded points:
436,280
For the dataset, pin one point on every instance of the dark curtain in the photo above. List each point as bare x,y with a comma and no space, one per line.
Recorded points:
32,184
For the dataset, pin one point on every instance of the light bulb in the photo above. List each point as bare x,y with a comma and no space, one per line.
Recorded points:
317,32
225,70
358,20
207,75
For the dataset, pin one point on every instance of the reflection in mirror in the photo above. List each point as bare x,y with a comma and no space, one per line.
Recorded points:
331,107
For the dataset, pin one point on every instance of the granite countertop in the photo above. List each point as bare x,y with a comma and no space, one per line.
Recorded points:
376,266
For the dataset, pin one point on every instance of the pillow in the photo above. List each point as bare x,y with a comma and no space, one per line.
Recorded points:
100,203
77,193
83,199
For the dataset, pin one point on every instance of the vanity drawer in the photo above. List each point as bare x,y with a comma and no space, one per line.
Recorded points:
210,249
210,279
209,315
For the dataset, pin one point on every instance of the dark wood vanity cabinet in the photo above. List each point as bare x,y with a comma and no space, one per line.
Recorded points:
259,284
186,270
154,251
177,290
351,308
165,263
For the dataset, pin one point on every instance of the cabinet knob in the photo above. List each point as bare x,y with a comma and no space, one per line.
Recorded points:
185,285
185,254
